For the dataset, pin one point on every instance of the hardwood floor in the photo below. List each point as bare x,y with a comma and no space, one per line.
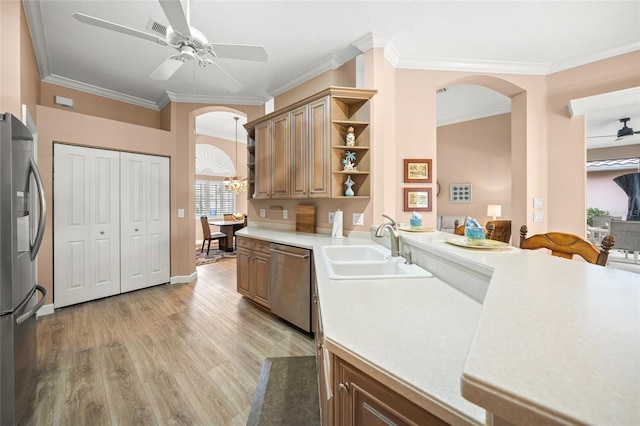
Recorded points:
172,354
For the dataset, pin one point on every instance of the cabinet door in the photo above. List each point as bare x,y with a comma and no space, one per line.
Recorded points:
280,161
86,224
361,400
319,161
261,279
299,155
244,272
263,162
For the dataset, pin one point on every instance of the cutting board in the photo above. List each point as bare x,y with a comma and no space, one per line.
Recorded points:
305,218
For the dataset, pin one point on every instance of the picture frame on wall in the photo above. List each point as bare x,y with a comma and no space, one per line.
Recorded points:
460,193
417,170
417,200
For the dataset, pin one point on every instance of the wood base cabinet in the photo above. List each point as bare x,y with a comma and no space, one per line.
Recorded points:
361,400
253,269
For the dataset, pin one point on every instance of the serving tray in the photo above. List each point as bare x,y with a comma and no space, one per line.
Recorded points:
480,245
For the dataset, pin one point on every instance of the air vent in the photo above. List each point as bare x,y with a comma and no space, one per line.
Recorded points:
157,27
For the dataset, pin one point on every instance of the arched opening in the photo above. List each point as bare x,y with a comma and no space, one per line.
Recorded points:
220,152
480,135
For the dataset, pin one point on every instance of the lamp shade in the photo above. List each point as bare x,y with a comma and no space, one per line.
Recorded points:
494,210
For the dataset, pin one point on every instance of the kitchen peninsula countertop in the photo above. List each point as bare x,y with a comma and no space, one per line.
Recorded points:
551,341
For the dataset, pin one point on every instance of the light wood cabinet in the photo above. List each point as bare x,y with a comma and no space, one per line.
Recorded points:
322,360
297,152
253,269
361,400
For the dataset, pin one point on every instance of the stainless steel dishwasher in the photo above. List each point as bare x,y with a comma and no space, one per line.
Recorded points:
290,284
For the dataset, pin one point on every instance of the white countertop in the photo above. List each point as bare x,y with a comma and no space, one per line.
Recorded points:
553,340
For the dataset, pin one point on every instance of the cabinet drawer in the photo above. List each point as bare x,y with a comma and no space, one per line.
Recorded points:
244,242
261,246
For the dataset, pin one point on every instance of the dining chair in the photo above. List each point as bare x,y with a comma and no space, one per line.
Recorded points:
207,235
228,217
567,245
499,230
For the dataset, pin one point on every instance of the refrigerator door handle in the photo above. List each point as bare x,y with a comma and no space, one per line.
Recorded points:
22,318
43,211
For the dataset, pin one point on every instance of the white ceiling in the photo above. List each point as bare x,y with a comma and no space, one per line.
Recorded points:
306,38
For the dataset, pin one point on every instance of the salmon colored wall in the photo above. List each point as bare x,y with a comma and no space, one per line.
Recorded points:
603,193
566,135
98,106
476,152
29,74
342,76
55,125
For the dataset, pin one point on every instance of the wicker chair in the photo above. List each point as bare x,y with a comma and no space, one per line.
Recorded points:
566,245
627,235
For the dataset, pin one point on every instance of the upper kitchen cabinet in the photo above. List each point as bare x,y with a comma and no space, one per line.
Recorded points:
300,151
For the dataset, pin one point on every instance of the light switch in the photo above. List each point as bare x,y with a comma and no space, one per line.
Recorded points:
537,203
358,219
180,212
263,213
537,217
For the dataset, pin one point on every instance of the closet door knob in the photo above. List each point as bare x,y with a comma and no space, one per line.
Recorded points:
136,229
101,232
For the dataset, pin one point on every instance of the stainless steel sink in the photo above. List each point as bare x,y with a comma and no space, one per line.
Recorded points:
367,262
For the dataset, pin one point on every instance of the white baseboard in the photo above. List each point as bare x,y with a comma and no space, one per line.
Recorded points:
181,279
45,310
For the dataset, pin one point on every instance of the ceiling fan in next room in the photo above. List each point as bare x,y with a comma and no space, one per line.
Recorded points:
191,44
622,133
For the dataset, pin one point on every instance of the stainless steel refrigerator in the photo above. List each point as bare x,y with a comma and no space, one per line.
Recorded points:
22,220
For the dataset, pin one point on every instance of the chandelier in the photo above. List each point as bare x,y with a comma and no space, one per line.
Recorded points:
236,183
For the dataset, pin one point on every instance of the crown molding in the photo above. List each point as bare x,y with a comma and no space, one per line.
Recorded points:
330,63
576,62
206,99
99,91
469,65
38,39
371,40
604,101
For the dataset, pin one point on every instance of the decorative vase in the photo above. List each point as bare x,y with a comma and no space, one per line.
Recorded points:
349,192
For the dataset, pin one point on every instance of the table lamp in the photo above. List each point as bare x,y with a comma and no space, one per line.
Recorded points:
494,210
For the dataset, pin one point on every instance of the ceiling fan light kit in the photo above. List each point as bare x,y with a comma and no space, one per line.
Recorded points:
189,41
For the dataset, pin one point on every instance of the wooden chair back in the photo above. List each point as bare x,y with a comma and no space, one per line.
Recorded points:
206,229
228,217
567,245
459,230
499,230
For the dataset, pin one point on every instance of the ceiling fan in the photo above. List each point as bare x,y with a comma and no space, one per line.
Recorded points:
622,133
191,44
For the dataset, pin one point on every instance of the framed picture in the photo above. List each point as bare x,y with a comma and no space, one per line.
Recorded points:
460,193
417,171
417,199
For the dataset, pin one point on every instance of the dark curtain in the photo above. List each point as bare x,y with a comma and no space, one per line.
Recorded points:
630,184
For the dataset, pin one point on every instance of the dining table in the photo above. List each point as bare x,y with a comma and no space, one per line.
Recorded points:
228,227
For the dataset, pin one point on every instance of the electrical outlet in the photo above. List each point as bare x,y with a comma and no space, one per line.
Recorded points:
358,219
537,217
263,213
331,215
285,214
180,212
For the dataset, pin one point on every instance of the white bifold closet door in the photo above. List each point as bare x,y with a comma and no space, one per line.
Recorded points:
86,234
144,192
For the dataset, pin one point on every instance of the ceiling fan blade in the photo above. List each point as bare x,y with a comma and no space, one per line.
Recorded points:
602,136
239,51
86,19
167,68
226,79
175,15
